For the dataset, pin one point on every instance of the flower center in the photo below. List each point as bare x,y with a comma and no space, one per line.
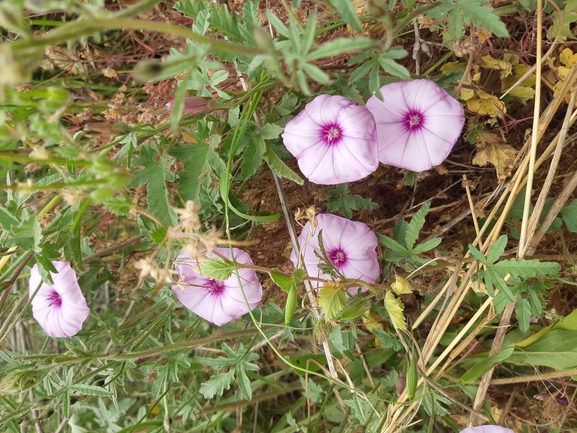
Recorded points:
338,258
215,286
54,299
414,119
331,134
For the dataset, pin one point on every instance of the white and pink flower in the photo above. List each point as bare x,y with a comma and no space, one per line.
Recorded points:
418,123
350,247
217,301
60,309
334,140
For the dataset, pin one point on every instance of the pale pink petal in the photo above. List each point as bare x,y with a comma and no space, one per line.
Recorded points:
218,302
334,140
487,429
350,246
60,309
418,123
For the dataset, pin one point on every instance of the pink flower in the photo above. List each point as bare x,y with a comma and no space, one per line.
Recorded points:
487,429
60,309
217,301
417,124
350,246
334,140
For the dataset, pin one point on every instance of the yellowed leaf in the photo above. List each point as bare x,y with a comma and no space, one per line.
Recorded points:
523,92
450,67
567,57
483,103
466,94
491,63
395,308
500,155
401,286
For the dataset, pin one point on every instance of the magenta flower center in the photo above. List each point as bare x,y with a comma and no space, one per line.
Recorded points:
331,134
338,258
215,286
414,119
54,299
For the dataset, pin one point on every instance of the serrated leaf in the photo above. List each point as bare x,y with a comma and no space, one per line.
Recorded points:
217,384
354,309
426,246
393,245
523,313
154,175
270,131
347,10
340,201
416,224
474,12
243,383
216,269
279,167
331,301
401,286
395,308
526,268
497,249
118,205
339,46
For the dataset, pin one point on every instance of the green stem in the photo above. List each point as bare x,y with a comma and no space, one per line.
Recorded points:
81,28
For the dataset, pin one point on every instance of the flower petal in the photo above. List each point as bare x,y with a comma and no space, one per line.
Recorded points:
354,239
348,155
59,309
218,302
487,429
427,142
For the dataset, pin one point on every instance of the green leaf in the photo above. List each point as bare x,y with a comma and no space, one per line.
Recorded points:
394,68
155,174
252,157
497,249
282,281
216,269
526,268
340,201
393,245
569,213
426,246
118,205
331,301
523,312
217,384
90,390
477,255
395,308
415,226
339,46
316,73
557,349
270,131
243,382
347,10
279,167
473,12
355,309
277,24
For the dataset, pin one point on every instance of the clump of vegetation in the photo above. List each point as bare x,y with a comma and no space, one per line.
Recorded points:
207,227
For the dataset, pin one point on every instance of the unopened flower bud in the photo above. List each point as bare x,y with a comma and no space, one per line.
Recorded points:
195,105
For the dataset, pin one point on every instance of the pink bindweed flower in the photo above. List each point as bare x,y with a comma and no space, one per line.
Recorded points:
217,301
487,429
60,309
350,246
334,140
418,123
